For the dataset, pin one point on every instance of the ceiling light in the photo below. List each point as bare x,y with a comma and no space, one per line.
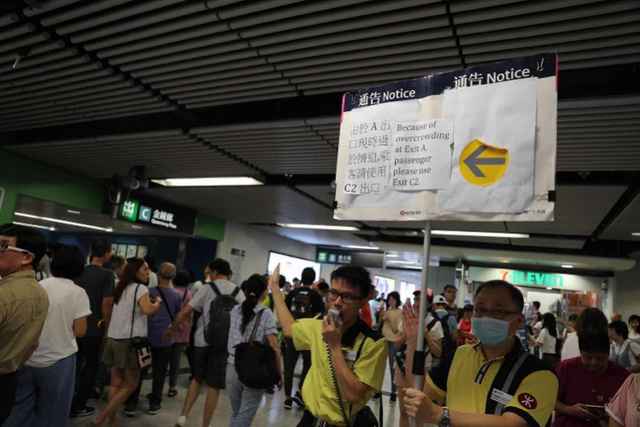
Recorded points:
62,221
479,234
567,266
392,255
223,181
41,227
635,234
73,212
549,289
320,227
371,248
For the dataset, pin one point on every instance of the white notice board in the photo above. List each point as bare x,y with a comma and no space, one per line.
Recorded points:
473,145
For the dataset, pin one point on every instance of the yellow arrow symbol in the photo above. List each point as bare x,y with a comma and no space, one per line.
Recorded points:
482,164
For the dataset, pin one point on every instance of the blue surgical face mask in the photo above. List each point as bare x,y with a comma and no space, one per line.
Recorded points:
490,331
441,312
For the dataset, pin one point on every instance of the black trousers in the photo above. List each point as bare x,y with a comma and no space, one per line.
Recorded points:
8,386
160,358
174,365
88,359
290,360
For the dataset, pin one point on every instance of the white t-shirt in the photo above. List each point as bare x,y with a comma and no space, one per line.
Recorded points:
120,326
201,302
67,302
548,342
195,287
570,348
436,333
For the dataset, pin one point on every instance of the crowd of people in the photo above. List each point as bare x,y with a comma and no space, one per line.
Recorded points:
114,322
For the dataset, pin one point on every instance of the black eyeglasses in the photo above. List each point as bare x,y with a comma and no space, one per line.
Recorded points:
5,247
347,297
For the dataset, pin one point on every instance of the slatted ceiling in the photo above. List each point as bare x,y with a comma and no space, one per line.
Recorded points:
582,35
579,210
599,134
94,113
158,151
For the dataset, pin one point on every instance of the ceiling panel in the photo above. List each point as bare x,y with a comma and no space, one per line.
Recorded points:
579,210
264,204
319,237
550,243
627,222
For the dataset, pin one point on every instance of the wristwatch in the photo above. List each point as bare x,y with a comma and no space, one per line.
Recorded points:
445,421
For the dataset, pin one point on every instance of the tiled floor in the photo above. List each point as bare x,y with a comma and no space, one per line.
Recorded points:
271,412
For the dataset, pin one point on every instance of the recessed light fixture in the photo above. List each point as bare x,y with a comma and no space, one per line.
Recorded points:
392,255
65,222
567,266
222,181
41,227
320,227
635,234
71,211
479,234
370,248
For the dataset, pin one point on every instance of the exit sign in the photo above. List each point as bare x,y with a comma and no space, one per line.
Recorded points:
534,278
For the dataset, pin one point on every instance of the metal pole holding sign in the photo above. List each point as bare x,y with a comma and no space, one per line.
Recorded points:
420,355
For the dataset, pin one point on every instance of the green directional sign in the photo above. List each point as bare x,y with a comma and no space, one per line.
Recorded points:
129,210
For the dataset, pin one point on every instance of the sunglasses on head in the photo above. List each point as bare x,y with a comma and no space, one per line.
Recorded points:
5,246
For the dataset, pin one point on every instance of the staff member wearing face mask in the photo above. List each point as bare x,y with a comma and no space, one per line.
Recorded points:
494,383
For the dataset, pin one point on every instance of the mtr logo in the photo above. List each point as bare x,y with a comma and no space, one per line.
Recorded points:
409,213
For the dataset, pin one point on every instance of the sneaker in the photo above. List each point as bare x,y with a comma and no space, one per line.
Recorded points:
87,411
154,408
298,400
172,392
288,403
130,412
182,421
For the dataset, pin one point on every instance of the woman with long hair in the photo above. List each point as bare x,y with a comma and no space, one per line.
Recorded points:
131,307
548,340
392,331
246,400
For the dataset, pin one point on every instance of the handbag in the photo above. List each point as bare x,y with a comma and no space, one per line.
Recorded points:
365,416
256,363
139,344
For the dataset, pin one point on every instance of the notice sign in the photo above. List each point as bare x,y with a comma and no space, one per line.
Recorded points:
473,145
422,155
405,156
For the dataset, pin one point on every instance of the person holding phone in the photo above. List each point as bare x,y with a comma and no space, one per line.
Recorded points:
347,358
588,382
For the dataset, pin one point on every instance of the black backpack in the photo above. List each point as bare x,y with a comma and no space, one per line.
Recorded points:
256,362
302,303
217,330
449,345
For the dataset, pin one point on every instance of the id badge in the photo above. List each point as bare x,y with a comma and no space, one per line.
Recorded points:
500,396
